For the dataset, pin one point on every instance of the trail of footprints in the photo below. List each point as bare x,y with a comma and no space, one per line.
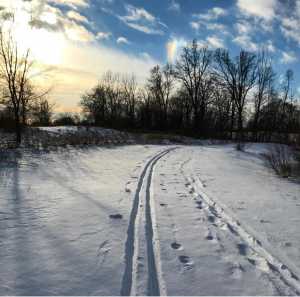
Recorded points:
213,218
216,224
244,250
175,245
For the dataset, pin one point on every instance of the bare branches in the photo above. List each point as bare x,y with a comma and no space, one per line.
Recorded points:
15,82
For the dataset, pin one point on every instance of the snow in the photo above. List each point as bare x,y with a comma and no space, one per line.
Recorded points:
142,220
78,129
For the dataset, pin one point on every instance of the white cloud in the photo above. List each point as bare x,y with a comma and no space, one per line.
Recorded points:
122,39
76,66
89,62
38,15
264,9
288,57
145,56
174,6
195,25
103,35
71,3
74,15
215,42
216,27
141,20
270,46
290,24
208,20
77,32
211,14
243,27
246,43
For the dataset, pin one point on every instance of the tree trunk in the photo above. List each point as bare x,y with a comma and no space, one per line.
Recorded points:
232,119
18,130
196,119
240,126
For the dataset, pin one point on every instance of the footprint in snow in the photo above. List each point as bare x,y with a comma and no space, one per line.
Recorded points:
127,187
209,236
186,261
243,249
116,216
211,219
264,221
176,245
199,204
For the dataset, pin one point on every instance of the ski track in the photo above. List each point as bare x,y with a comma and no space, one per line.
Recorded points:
284,280
154,285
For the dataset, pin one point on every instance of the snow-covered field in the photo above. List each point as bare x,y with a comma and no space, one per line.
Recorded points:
147,220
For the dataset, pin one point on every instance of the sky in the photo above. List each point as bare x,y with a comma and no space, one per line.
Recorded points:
76,41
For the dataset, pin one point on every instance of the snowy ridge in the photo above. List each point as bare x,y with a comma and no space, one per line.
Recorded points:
132,242
258,255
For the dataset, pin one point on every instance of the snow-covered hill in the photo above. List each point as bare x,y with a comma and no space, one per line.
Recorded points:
176,220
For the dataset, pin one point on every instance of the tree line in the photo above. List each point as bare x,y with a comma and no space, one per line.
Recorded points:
205,93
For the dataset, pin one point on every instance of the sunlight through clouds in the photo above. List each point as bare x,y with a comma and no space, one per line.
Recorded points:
68,57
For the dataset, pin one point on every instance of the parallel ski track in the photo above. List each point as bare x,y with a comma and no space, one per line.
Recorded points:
153,286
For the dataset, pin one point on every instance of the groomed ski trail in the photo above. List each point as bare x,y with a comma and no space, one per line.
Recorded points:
155,286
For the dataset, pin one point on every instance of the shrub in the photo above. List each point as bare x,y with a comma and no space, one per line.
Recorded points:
280,159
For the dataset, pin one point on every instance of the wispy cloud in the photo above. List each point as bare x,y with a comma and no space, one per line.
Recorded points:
140,19
215,42
123,40
71,3
288,57
243,27
174,6
290,23
103,35
209,19
264,9
211,14
74,15
245,42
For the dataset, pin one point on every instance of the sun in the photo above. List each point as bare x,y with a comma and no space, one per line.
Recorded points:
46,47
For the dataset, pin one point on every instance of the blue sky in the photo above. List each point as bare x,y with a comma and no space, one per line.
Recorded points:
81,39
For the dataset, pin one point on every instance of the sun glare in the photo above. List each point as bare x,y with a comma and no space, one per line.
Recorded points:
46,46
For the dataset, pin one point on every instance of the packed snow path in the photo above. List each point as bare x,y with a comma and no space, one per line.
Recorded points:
147,220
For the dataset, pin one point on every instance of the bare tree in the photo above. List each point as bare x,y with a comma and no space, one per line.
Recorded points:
239,76
265,79
42,111
160,85
113,90
94,104
193,70
222,104
129,90
14,75
287,99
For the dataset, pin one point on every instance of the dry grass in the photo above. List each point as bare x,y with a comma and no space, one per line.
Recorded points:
280,158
